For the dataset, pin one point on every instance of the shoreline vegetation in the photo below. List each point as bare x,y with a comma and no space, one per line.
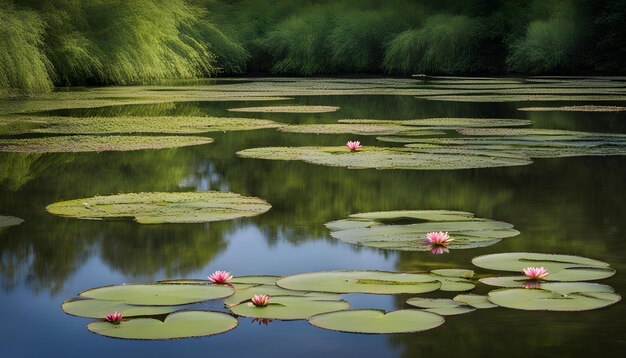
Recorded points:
50,43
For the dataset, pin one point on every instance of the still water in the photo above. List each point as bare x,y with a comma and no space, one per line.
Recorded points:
568,206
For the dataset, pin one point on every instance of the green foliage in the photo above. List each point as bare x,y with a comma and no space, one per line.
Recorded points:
445,44
22,64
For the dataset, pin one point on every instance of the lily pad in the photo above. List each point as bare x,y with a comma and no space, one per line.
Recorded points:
560,267
160,208
371,157
290,308
100,308
69,144
6,221
246,294
132,124
380,230
454,284
561,296
159,294
376,282
574,109
476,301
510,282
461,273
287,109
445,123
422,302
378,322
361,129
259,279
450,311
183,324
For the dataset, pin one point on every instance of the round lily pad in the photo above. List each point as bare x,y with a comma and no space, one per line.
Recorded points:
575,109
476,301
159,294
560,267
450,311
183,324
68,144
160,208
508,281
136,124
454,284
558,296
287,109
377,322
290,308
245,294
100,308
422,302
258,279
461,273
376,282
372,157
446,123
6,221
339,128
406,230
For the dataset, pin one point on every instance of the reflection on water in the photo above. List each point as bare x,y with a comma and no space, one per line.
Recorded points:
571,206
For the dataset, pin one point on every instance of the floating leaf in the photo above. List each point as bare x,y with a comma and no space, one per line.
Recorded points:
6,221
560,267
380,230
445,123
462,273
287,109
160,208
558,296
159,294
246,294
450,311
68,144
290,308
182,324
476,301
510,282
454,284
100,308
422,302
132,124
361,129
377,282
574,109
377,322
259,279
371,157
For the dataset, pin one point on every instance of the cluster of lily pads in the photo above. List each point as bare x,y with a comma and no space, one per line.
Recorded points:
169,309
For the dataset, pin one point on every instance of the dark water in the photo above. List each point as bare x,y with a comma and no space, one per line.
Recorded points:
571,206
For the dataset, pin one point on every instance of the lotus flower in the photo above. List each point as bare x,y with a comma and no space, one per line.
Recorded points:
354,146
261,300
114,317
220,277
531,284
535,273
438,250
438,238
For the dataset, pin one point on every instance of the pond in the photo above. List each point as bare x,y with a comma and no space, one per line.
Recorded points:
568,205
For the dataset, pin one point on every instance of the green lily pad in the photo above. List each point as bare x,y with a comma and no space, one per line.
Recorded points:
68,144
539,133
371,157
476,301
454,284
160,208
182,324
159,294
422,302
559,296
446,123
450,311
290,308
510,282
6,221
560,267
245,294
376,282
380,230
100,308
259,279
128,124
461,273
377,322
287,109
574,109
361,129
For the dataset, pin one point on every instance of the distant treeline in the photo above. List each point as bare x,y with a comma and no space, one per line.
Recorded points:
44,43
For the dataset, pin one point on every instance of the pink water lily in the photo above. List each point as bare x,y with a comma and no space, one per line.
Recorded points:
115,317
535,273
438,238
220,277
261,300
438,250
354,146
